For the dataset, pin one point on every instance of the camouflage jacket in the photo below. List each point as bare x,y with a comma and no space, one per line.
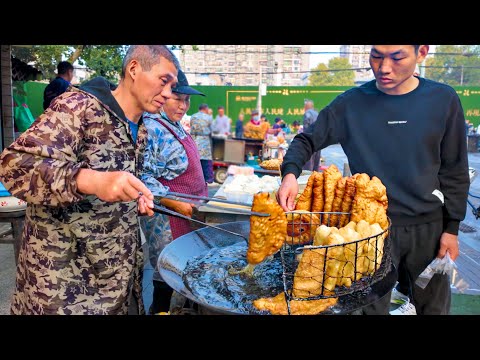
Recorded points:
79,254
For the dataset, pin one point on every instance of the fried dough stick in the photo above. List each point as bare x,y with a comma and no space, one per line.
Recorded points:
318,268
278,305
304,202
318,200
375,249
330,176
308,279
364,230
333,255
267,234
380,245
347,201
346,273
370,202
337,200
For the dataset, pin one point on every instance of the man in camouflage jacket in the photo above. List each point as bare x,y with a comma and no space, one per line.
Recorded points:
76,166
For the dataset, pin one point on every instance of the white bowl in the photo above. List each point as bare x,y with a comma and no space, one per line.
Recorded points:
11,203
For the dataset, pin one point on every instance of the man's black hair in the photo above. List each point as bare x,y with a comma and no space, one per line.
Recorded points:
63,67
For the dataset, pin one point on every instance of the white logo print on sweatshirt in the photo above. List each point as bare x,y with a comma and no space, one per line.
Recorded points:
396,122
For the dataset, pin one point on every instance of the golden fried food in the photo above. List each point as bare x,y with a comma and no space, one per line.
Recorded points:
347,259
337,200
318,199
301,227
321,234
308,279
272,164
370,202
333,264
330,176
253,131
278,305
364,230
267,234
318,269
375,249
347,201
304,202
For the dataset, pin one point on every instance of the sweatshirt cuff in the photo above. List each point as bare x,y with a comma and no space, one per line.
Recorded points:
291,169
451,226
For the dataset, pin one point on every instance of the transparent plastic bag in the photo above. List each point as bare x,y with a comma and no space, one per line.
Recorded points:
401,304
442,266
398,298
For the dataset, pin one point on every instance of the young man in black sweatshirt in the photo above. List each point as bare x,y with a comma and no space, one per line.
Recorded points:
410,133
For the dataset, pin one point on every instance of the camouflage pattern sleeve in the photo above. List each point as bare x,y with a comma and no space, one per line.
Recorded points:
41,165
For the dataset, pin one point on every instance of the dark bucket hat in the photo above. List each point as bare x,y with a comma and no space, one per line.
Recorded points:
183,87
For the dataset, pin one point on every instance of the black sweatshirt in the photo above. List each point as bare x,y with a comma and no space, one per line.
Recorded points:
414,143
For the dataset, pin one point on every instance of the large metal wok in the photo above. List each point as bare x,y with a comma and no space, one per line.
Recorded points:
177,257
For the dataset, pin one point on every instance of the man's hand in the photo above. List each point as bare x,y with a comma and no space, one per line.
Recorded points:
143,208
448,242
113,186
288,192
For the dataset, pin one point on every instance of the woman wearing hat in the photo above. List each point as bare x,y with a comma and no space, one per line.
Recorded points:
171,163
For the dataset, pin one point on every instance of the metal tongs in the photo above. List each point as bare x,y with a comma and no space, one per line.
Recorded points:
183,197
163,210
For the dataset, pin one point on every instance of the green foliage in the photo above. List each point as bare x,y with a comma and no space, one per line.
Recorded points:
103,60
455,69
327,77
45,57
319,78
182,48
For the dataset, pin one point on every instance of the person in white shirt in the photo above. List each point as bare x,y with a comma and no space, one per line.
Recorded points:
222,123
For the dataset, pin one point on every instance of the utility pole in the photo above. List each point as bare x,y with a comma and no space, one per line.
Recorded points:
259,102
422,69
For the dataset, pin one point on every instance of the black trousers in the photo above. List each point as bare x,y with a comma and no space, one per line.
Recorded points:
162,293
414,248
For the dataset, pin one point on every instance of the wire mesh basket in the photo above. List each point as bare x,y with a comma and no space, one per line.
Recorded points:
325,255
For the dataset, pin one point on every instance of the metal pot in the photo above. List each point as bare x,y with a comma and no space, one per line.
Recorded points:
175,256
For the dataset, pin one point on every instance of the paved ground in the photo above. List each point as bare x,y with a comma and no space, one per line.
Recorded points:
468,262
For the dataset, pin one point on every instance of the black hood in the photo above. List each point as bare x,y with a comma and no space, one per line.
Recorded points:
101,88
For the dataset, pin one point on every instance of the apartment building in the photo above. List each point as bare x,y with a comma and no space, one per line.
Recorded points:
281,65
358,56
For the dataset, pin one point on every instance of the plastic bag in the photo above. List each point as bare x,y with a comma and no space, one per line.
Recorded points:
442,266
23,117
22,114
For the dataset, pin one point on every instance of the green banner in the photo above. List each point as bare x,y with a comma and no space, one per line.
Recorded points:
287,101
280,101
470,99
283,101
